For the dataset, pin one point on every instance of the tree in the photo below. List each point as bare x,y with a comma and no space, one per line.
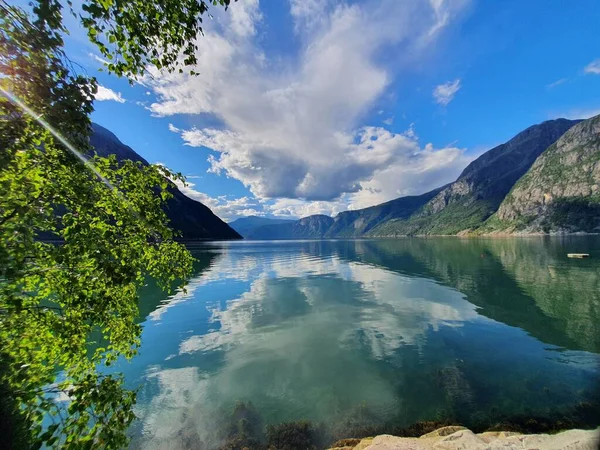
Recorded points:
105,217
132,34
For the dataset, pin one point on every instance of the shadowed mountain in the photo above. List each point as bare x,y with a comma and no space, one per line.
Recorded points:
191,218
246,225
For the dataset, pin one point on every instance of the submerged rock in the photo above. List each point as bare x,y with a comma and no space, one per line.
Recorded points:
455,438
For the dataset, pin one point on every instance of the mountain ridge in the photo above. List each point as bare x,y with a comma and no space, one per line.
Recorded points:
480,188
560,193
460,207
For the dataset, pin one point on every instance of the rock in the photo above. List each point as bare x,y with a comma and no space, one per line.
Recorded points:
459,438
481,187
463,439
560,192
343,443
364,444
444,431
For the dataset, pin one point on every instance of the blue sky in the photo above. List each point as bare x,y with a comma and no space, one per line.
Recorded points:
308,106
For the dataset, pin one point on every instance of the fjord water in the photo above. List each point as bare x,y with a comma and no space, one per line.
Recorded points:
373,331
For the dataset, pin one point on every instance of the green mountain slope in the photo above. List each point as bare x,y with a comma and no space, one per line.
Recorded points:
459,207
359,222
561,191
479,190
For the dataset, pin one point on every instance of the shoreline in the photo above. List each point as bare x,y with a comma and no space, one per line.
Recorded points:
244,428
458,437
420,236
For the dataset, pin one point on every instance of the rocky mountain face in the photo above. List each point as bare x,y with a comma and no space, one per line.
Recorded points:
481,187
246,225
561,191
191,218
311,227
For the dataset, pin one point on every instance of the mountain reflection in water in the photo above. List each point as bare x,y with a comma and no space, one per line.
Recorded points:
471,330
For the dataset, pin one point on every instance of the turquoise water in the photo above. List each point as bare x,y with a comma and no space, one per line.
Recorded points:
379,331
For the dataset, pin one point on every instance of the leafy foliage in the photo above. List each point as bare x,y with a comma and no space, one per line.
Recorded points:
105,218
136,33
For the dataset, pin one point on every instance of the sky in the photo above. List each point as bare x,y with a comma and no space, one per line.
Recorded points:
315,107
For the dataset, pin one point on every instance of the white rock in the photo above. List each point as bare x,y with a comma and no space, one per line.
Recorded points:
466,439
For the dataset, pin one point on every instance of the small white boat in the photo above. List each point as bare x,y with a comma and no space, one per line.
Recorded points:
578,255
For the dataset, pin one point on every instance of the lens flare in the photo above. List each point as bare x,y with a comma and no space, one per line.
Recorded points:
38,118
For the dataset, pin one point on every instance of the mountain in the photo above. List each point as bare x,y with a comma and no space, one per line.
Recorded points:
246,225
561,191
191,218
361,221
481,187
461,206
311,227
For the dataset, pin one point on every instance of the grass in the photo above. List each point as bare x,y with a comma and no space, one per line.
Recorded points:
465,214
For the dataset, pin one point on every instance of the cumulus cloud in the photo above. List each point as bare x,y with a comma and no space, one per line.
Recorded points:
106,94
423,171
227,209
294,129
296,208
593,67
308,14
444,93
244,17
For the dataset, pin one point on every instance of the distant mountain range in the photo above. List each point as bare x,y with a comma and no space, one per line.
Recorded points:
245,225
191,218
537,182
546,179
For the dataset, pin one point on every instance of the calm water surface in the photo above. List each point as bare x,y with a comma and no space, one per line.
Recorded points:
408,329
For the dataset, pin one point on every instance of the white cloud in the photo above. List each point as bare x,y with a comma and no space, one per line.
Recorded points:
98,58
557,83
106,94
226,209
308,14
244,16
389,121
442,12
295,208
593,67
444,93
427,170
252,333
577,113
294,129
